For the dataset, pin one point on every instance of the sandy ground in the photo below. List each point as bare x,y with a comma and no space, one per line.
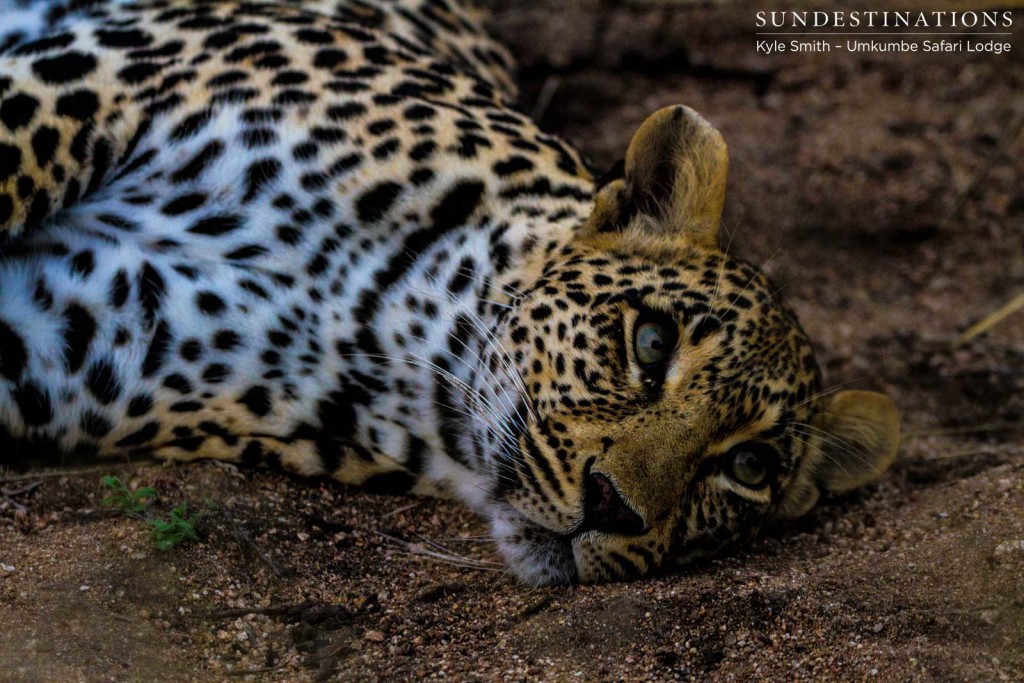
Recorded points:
884,195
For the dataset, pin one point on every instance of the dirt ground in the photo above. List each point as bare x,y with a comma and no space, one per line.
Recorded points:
882,192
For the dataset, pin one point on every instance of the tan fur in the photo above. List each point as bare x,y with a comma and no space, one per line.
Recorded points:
678,164
857,435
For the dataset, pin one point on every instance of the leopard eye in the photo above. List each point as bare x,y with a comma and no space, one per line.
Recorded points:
748,465
653,342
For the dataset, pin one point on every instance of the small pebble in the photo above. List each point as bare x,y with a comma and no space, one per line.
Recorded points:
1009,549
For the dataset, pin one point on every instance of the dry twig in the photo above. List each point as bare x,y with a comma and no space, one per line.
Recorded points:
992,319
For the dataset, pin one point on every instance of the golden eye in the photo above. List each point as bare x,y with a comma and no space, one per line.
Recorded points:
653,342
748,466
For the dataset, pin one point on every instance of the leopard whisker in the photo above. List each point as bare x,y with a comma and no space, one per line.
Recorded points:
721,272
830,457
417,361
488,338
491,340
823,393
480,362
759,271
438,552
506,359
465,413
837,442
441,548
444,559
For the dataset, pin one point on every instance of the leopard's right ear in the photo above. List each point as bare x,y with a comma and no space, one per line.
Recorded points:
673,182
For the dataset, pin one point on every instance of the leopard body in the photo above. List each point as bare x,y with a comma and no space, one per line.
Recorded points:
320,236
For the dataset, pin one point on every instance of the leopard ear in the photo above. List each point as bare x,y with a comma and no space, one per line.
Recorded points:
854,441
673,181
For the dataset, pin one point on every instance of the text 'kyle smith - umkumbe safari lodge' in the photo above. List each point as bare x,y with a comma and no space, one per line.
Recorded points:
905,31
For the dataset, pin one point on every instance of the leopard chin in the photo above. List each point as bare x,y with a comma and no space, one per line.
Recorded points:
537,556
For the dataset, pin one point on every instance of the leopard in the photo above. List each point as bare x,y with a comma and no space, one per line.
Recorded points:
323,237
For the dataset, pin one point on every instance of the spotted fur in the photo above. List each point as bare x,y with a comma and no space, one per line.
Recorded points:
319,236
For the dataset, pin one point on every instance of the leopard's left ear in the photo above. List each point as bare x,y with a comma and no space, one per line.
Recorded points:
673,183
853,441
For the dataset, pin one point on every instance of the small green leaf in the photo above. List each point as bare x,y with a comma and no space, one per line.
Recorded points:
120,497
173,531
145,492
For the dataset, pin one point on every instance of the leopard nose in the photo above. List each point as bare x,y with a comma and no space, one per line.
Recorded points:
605,510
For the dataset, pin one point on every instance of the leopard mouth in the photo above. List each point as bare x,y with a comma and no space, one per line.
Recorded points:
536,555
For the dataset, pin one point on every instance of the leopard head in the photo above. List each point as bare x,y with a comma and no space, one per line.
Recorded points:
666,402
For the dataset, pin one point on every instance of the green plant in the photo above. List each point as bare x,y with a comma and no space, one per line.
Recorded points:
173,531
128,501
167,533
